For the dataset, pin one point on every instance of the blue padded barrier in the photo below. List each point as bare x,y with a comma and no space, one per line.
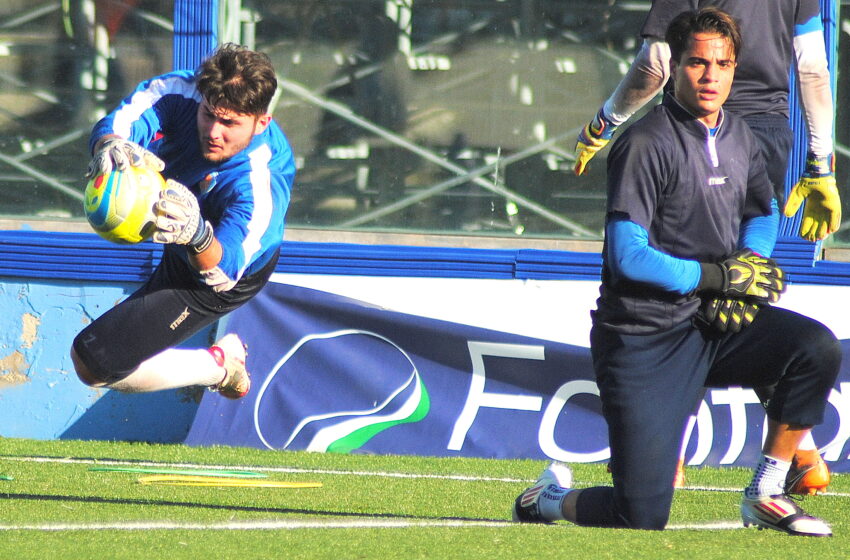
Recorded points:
85,256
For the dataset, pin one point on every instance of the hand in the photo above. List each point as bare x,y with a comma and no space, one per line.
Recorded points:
748,275
822,213
727,314
178,219
591,139
119,154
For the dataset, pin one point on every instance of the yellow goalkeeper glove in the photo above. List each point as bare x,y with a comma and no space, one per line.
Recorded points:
744,275
727,315
591,139
822,213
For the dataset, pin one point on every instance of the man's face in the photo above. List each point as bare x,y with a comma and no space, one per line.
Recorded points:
703,75
223,133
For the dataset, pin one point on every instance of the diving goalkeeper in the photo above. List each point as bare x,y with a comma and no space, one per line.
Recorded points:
229,170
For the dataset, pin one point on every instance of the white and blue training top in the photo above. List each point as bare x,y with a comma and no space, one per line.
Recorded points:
244,198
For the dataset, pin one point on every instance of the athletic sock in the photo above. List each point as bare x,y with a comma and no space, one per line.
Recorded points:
550,500
171,369
768,478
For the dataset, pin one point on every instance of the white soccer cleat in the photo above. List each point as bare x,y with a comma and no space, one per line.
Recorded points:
230,353
782,514
556,478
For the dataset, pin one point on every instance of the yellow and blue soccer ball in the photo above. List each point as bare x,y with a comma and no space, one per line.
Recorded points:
120,205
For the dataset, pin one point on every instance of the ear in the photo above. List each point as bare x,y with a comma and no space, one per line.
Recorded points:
262,123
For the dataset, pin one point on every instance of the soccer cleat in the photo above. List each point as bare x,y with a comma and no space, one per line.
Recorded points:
230,353
808,474
555,479
782,514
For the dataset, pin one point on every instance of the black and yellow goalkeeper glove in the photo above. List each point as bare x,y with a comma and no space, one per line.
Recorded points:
744,275
592,138
822,213
727,314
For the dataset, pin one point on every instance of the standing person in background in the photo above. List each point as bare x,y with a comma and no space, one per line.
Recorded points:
776,34
690,206
229,171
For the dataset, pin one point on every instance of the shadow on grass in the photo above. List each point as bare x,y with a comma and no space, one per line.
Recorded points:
226,507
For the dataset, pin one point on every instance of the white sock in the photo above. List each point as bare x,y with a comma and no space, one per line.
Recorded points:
170,369
550,501
808,443
768,478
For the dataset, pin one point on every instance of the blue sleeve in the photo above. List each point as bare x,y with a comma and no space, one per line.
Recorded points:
146,111
631,256
815,24
759,233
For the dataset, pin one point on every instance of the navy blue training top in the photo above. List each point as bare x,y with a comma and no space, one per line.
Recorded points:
690,190
768,28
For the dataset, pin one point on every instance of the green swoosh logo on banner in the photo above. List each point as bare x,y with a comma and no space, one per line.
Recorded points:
377,424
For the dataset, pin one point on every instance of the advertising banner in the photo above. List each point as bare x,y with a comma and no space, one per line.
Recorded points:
337,374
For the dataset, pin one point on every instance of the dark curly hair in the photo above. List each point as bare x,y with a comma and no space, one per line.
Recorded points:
237,79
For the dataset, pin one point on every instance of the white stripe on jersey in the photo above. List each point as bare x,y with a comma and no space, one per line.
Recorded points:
145,99
261,188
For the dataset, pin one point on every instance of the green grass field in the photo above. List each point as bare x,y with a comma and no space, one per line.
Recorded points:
56,506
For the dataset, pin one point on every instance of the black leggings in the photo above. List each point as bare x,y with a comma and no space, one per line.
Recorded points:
168,309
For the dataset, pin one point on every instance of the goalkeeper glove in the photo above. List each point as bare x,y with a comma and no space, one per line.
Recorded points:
822,213
179,220
119,154
591,139
744,274
727,314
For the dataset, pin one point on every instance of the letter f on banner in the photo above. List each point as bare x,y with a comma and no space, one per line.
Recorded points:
477,398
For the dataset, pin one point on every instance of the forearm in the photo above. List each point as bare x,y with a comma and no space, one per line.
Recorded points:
208,258
759,234
815,91
631,256
644,79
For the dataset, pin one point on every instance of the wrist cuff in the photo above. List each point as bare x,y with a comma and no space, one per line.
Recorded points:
711,278
202,240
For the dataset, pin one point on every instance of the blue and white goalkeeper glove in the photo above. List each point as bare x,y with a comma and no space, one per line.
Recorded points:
179,220
118,154
822,213
591,139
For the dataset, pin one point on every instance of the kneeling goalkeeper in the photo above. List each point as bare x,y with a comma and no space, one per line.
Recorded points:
685,302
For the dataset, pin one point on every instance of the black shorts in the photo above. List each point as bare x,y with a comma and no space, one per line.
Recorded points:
776,139
169,308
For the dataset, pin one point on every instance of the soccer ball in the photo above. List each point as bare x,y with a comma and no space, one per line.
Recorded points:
120,205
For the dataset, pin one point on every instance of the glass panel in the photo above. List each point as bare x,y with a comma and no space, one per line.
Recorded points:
451,116
426,116
62,65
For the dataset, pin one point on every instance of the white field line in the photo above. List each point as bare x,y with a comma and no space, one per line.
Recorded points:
302,470
277,525
155,464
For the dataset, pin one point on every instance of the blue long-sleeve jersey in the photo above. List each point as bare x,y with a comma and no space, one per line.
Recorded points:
244,198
